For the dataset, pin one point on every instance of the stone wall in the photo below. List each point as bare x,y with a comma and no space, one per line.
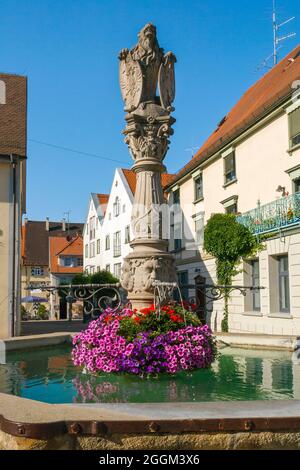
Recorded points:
187,441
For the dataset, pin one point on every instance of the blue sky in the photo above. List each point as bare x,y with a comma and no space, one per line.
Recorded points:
69,50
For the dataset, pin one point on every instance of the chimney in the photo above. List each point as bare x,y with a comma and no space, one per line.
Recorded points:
47,224
64,225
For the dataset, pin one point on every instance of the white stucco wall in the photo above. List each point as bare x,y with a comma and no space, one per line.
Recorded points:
110,224
262,161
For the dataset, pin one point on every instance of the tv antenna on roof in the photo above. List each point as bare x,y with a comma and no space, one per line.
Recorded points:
192,150
277,39
67,214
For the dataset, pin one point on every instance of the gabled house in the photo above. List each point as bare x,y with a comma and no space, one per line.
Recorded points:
250,166
35,263
65,261
107,232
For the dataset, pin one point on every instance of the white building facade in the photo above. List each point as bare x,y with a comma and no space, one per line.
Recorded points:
107,230
250,166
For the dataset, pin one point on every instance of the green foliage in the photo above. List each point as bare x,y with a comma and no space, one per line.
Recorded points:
24,314
101,277
228,241
171,318
42,313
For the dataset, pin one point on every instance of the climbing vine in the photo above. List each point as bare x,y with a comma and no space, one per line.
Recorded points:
228,242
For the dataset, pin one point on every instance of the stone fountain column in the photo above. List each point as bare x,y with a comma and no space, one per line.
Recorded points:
148,126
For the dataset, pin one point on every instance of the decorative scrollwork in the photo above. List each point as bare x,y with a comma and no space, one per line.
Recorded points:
214,292
95,297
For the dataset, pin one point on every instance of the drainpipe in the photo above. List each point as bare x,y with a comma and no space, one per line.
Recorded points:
13,161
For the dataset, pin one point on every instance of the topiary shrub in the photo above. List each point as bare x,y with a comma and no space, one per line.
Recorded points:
228,242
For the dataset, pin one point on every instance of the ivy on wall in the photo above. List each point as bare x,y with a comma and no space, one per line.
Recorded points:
228,242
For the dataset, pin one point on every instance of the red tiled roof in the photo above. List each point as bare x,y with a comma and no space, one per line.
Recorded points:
258,100
35,240
68,247
103,198
131,179
103,201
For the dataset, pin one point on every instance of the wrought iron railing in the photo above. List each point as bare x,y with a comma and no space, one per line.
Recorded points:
279,214
94,297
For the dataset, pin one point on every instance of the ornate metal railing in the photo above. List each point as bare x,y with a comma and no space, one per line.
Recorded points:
279,214
203,294
94,297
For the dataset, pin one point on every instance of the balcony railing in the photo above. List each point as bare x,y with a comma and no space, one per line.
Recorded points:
279,214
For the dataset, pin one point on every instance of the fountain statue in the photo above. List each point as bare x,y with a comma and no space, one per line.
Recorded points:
144,70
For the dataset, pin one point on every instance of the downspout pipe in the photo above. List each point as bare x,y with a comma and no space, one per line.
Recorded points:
13,161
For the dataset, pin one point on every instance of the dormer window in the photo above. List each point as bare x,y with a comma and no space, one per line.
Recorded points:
116,207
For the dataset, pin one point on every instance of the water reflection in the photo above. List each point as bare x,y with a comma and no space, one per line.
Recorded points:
238,374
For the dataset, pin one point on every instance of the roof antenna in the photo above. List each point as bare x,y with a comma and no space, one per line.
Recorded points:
192,150
67,213
277,39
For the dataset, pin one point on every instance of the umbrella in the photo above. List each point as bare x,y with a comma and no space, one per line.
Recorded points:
31,299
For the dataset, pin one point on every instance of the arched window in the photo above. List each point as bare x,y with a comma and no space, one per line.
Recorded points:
2,92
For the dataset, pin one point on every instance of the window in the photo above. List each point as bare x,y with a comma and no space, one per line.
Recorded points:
255,283
294,126
198,187
183,282
116,207
107,242
86,251
177,221
177,244
67,261
117,270
98,269
199,230
176,196
98,246
229,168
70,261
124,207
107,268
92,228
177,232
232,209
297,185
92,250
230,204
284,289
127,234
37,271
117,244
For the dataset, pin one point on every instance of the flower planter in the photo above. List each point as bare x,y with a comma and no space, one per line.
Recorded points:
144,343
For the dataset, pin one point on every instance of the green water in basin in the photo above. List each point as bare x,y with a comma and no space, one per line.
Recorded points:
48,375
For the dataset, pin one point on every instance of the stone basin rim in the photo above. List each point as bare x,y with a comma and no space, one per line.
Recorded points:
37,420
